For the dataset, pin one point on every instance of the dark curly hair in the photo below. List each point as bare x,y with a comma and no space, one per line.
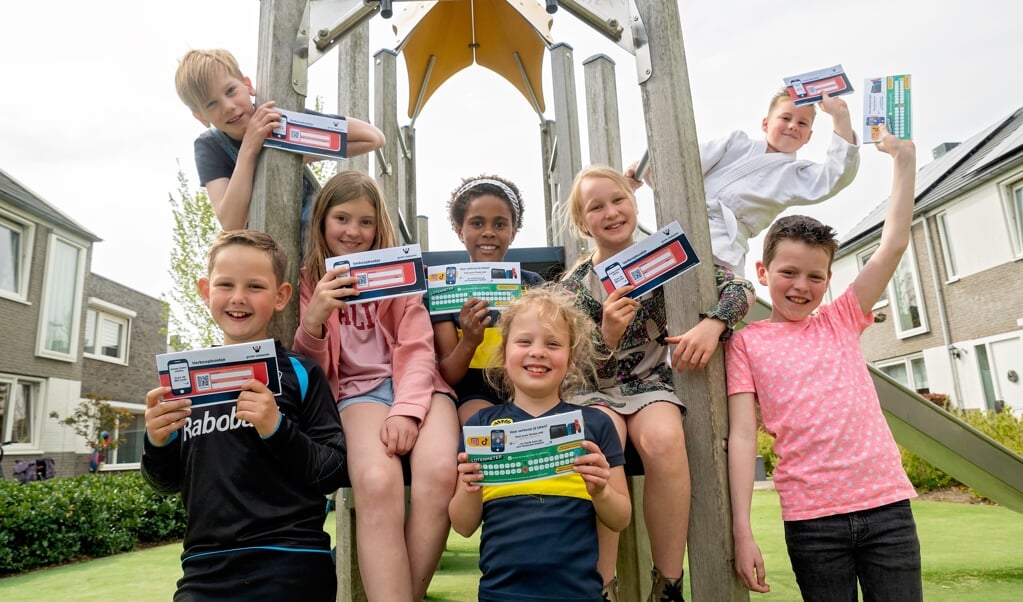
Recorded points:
470,188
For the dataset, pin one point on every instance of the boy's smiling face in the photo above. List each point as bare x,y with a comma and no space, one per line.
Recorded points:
242,293
796,278
788,127
229,105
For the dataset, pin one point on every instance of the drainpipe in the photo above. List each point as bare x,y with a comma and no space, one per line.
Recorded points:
942,316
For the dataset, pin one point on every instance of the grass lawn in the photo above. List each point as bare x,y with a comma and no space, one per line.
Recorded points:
970,553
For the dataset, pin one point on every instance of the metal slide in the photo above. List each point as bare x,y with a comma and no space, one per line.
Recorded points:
943,439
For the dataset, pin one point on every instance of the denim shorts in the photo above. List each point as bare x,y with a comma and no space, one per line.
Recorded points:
878,548
383,394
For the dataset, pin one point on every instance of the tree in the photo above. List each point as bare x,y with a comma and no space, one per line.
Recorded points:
195,225
93,418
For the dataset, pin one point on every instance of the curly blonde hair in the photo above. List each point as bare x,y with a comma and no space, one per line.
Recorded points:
555,309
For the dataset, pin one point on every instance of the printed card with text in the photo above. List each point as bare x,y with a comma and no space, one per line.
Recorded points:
384,273
315,134
449,286
808,88
649,263
530,450
216,374
887,101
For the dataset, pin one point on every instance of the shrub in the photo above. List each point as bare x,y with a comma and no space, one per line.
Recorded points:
54,521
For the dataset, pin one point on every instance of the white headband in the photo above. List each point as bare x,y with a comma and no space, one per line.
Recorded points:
512,198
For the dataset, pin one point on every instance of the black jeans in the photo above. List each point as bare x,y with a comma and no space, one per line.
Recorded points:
877,547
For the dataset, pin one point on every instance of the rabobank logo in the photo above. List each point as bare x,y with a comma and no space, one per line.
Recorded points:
209,423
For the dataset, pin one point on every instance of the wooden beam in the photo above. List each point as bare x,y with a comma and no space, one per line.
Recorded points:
275,207
385,117
353,84
568,159
602,121
671,134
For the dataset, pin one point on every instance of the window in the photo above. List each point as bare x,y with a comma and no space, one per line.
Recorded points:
910,315
1015,218
862,259
15,250
947,250
910,372
107,331
19,401
128,454
62,297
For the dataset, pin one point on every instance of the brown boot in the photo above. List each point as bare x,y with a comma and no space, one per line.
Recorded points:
610,591
665,590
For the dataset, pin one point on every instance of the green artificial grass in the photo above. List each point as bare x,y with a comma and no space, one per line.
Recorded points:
971,553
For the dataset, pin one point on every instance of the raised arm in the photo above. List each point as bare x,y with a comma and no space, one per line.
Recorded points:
874,276
839,112
363,137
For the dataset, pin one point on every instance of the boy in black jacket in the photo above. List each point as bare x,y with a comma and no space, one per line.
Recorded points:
252,474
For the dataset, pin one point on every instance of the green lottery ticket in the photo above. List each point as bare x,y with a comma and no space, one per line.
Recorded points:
886,100
530,450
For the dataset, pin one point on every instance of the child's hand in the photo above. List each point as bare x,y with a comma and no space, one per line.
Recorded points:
257,406
749,563
164,417
619,311
399,434
694,348
593,468
839,112
328,296
895,146
263,121
469,473
473,320
630,176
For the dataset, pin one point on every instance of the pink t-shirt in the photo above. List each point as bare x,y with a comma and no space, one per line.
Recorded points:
365,360
835,451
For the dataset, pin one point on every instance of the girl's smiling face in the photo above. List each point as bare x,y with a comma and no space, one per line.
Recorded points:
609,214
351,227
488,228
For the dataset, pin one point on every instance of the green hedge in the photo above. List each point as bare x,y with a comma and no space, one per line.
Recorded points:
50,522
1003,427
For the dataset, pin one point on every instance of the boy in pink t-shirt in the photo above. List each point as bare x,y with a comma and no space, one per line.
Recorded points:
844,494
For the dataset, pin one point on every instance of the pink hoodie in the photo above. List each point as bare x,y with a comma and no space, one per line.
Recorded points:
409,334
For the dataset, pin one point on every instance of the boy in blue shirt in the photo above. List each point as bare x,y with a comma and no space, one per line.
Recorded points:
252,474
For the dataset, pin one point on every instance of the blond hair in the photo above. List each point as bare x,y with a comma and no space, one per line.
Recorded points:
348,185
554,309
197,71
783,94
253,239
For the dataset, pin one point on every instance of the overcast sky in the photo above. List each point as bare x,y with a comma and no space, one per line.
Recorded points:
93,125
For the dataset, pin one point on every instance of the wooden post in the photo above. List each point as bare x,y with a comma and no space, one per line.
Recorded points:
566,128
353,84
602,111
549,200
385,116
275,207
407,181
671,134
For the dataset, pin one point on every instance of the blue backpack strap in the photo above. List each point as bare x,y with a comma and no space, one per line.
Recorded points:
301,374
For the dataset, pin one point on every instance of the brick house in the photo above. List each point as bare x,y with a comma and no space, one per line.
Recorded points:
68,332
952,316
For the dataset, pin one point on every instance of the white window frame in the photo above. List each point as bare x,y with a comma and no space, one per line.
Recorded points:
112,464
26,229
35,409
947,250
910,254
861,260
113,313
76,308
1012,205
907,362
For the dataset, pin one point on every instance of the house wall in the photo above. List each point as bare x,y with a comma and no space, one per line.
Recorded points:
147,338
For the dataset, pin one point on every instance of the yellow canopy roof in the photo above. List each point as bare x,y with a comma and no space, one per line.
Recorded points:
455,32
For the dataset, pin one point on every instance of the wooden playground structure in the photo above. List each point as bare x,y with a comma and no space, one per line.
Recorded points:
295,33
